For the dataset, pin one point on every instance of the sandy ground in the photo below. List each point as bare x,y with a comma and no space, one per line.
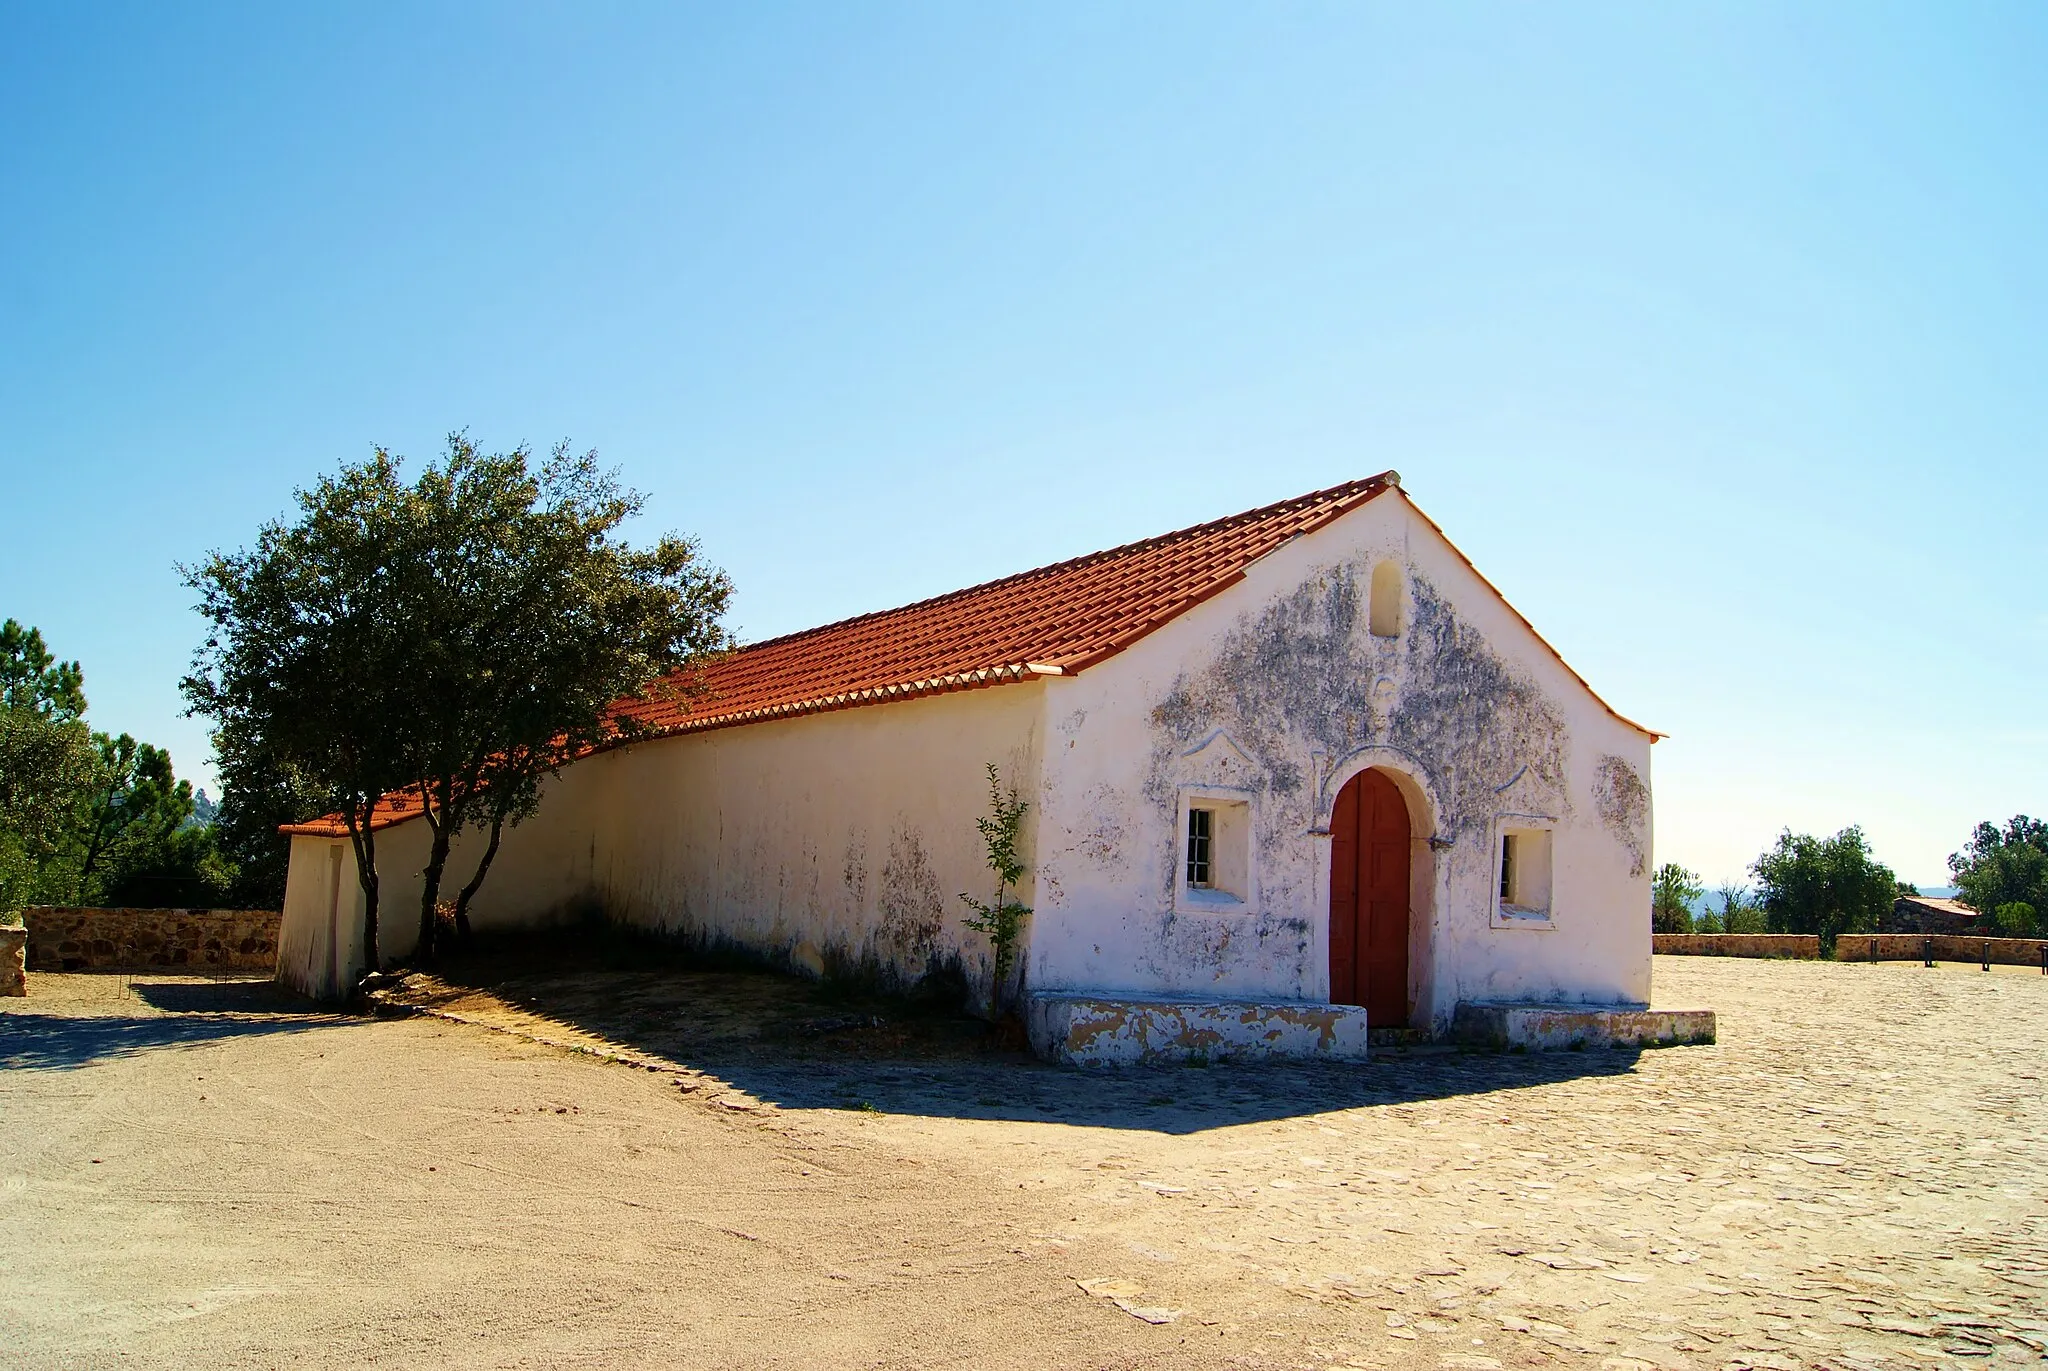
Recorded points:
205,1174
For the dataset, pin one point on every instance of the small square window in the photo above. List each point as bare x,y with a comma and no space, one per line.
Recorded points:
1524,876
1215,857
1201,847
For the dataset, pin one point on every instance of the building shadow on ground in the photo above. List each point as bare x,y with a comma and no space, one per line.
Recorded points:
799,1044
164,1014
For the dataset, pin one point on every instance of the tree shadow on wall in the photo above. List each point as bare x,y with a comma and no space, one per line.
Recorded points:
801,1044
188,1014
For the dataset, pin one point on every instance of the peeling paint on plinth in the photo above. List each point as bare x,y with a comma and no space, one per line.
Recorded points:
1573,1027
1077,1030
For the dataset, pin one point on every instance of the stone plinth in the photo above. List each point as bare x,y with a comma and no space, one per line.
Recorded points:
62,938
13,961
1087,1030
1554,1027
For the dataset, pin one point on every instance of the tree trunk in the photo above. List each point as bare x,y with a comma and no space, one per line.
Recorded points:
483,865
430,887
364,839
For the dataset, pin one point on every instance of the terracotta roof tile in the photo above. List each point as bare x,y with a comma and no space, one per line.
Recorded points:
1056,620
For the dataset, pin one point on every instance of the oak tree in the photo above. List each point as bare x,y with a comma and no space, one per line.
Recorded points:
1824,886
457,637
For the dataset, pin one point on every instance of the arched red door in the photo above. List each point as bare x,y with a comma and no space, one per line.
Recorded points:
1369,899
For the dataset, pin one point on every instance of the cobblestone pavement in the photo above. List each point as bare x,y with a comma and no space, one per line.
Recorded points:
1855,1176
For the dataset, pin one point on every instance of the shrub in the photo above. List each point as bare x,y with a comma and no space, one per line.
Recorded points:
2015,920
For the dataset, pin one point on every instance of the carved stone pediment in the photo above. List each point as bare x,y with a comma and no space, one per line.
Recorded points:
1217,760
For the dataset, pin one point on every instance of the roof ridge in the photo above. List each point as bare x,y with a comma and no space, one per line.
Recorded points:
1342,490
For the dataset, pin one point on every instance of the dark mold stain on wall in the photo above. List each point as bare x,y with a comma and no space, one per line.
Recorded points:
1303,676
1467,715
854,872
1623,803
912,907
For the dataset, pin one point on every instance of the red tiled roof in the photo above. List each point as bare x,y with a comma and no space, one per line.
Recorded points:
1054,621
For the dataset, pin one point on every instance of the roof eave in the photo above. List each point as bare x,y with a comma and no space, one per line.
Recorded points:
977,679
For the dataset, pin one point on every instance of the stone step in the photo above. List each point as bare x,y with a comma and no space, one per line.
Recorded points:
1076,1028
1551,1027
1397,1037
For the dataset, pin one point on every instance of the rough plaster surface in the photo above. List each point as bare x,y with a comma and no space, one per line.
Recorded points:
1622,799
1806,1193
836,844
1276,692
1093,1032
62,938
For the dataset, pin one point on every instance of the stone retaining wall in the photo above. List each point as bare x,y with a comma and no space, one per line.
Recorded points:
68,939
1736,944
1946,947
13,946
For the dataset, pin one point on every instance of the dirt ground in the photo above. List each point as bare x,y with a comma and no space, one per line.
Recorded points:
206,1174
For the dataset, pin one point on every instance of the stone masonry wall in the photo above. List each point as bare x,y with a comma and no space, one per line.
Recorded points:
1736,944
68,939
13,943
1900,947
1856,947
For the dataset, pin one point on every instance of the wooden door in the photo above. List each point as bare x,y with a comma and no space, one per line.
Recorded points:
1369,899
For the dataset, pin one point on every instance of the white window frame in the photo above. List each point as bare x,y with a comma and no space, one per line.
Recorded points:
1235,824
1508,915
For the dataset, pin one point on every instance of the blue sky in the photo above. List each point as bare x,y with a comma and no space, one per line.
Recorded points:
1716,335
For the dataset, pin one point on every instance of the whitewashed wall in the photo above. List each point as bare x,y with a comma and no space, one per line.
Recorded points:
1275,690
838,841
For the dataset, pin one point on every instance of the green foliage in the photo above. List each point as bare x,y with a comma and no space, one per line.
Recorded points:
134,802
45,764
1001,920
86,818
307,647
45,757
259,794
1673,892
2017,919
1736,909
33,680
460,636
1824,886
1999,867
533,620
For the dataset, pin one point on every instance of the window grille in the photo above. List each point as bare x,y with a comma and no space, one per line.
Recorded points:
1201,838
